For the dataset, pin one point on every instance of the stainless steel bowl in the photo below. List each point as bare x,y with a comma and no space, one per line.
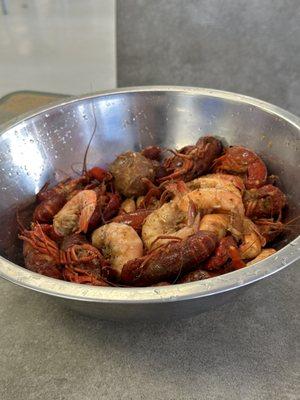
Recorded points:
55,138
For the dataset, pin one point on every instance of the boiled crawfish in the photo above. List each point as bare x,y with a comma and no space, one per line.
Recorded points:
83,262
264,202
241,161
170,260
41,254
192,161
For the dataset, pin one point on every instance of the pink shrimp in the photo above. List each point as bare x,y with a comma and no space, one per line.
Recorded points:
75,215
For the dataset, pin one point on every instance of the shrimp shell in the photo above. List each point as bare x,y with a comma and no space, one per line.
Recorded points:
219,224
75,215
128,205
212,199
220,181
119,243
166,221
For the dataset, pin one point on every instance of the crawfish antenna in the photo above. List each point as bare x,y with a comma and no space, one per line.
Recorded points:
84,166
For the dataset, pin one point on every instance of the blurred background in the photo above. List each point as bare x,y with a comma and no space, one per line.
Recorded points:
63,46
76,46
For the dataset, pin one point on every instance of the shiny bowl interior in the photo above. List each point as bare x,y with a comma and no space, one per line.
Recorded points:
51,143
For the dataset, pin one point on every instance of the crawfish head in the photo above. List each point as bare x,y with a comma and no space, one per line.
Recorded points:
192,161
83,262
242,161
45,211
41,253
265,201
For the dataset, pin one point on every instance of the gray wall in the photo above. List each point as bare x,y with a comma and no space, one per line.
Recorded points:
251,47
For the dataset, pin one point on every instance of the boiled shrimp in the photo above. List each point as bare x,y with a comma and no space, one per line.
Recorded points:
262,255
253,241
220,200
167,221
128,205
75,215
220,181
215,200
219,224
119,243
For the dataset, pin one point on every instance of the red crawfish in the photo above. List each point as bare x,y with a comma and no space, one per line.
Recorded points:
41,254
239,160
152,152
45,211
52,200
266,201
226,250
134,219
191,161
170,260
107,206
63,188
83,262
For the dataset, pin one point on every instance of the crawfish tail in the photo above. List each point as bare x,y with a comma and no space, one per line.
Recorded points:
169,260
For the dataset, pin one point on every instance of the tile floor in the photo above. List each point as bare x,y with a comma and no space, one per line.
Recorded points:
62,46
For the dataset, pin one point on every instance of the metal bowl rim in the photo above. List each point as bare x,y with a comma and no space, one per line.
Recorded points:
286,256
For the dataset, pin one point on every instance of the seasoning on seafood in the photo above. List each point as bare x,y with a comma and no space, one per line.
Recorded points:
192,161
168,261
214,200
264,202
75,215
128,170
219,224
239,160
118,243
166,223
220,181
157,220
220,200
